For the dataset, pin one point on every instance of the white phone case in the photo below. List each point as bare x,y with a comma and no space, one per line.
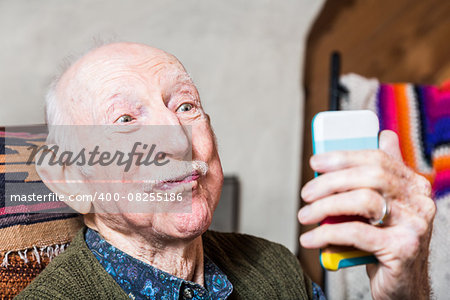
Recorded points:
344,130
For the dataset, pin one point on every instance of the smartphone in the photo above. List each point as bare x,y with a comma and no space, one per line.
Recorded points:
344,130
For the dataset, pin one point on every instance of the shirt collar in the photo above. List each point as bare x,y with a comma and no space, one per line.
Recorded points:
143,281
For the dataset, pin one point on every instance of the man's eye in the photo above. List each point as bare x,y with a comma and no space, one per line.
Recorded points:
124,119
184,107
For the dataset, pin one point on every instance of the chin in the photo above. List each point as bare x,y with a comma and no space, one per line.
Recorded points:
195,223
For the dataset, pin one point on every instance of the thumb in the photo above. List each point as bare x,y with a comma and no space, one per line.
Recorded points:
389,143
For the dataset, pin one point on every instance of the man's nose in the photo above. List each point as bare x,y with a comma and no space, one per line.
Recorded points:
175,139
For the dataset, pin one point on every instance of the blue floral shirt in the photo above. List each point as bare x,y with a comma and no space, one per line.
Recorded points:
317,292
143,281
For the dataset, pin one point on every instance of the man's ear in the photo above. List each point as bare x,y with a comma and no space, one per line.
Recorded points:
63,180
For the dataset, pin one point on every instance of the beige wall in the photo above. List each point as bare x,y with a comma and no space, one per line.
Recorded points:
245,57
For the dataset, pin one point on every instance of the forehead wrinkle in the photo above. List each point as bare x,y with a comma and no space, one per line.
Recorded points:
147,73
131,54
119,83
97,74
149,62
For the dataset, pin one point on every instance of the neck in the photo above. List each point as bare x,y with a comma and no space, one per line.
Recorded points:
183,259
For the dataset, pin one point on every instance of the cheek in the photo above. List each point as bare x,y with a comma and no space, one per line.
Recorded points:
203,147
214,182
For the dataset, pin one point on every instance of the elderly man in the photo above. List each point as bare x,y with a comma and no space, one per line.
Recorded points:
172,255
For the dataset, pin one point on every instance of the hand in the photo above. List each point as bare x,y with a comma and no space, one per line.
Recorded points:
360,183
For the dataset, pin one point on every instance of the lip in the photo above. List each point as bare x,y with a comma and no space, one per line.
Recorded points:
184,178
187,180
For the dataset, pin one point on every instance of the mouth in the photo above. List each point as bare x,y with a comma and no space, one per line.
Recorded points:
182,183
172,183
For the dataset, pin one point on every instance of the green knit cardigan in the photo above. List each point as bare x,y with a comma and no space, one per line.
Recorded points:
257,268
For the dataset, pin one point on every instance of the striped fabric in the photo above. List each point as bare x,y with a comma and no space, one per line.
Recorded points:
420,115
30,234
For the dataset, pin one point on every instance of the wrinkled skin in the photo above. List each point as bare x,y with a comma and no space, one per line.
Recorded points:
129,84
358,183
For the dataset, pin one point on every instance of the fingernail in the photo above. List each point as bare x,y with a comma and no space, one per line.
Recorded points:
304,213
306,238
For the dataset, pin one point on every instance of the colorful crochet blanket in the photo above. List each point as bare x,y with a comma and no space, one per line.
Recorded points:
420,114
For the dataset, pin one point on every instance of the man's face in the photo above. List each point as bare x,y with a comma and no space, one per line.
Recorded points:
136,85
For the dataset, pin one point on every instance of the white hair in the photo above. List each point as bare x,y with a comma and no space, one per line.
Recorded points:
55,116
53,111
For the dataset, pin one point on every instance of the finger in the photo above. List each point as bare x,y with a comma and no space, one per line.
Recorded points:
362,202
338,160
389,143
420,185
371,177
423,206
356,234
428,208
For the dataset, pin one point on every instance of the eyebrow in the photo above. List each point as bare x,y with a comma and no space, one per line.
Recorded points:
184,82
116,99
180,76
185,77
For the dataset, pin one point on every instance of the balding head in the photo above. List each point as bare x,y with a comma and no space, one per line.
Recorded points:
104,72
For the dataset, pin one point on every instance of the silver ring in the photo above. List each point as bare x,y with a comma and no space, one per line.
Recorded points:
383,217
